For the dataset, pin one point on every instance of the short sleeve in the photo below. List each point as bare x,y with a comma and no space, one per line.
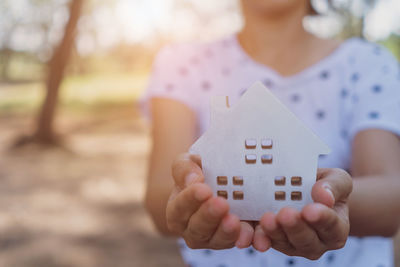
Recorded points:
169,79
376,92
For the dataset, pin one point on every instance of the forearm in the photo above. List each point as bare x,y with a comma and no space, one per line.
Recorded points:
174,128
375,205
158,189
156,203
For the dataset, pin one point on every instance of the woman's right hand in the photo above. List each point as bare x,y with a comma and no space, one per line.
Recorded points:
202,219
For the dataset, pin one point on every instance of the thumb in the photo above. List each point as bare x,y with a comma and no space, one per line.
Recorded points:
186,170
332,186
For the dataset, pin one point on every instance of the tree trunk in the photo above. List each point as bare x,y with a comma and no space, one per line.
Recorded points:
6,59
45,126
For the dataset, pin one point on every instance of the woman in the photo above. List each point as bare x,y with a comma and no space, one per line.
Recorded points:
347,93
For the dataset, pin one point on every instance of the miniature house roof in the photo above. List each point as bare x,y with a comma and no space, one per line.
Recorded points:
256,107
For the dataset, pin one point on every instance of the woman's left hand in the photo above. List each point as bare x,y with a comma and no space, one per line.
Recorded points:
318,227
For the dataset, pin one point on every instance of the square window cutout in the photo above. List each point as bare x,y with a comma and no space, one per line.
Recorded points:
237,180
250,143
280,195
238,195
280,180
296,196
266,143
222,193
296,180
266,159
222,180
251,158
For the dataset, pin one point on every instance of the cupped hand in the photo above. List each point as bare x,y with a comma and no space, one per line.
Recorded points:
201,219
318,227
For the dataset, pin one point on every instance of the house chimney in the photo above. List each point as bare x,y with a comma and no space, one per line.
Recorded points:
220,102
219,105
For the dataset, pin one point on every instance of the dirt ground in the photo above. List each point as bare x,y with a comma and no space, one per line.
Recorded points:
80,206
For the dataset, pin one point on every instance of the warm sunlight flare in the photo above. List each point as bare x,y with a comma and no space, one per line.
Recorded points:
115,149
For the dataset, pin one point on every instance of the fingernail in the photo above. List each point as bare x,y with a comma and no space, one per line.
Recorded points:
271,226
239,244
264,246
200,195
190,178
213,211
313,216
327,189
227,228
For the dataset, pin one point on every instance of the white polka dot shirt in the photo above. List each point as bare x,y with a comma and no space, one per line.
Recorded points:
356,87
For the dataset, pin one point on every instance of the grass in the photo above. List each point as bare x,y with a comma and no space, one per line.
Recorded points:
78,93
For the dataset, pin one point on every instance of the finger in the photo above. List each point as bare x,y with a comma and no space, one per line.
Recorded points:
333,185
260,241
302,237
185,203
275,233
196,159
245,236
332,229
186,171
205,221
227,232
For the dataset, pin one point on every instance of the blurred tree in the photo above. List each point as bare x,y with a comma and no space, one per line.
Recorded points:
56,67
354,24
44,132
29,30
7,32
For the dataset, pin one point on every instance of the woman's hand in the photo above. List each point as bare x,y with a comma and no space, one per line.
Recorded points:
202,220
320,226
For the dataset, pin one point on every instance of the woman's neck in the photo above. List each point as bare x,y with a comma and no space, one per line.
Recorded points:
272,31
281,42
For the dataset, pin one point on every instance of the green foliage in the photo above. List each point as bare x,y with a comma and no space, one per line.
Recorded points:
393,44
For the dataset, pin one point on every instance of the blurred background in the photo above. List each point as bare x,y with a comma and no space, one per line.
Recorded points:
73,146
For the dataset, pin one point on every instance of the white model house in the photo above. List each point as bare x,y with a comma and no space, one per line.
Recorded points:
258,155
